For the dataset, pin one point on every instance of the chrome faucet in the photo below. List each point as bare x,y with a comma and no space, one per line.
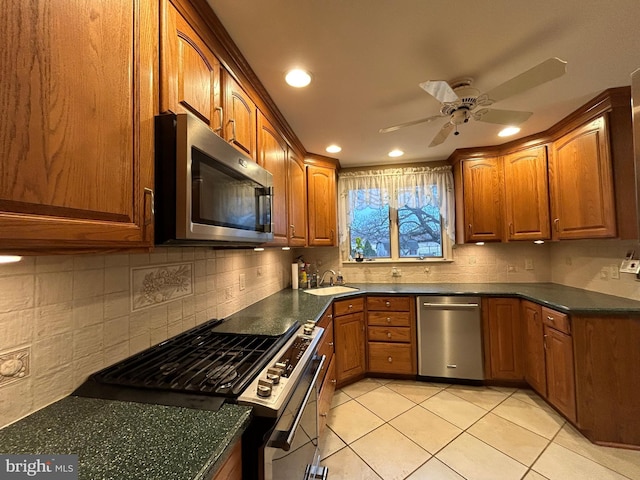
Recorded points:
330,278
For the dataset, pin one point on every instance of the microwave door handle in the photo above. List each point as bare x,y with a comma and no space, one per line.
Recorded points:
265,195
285,444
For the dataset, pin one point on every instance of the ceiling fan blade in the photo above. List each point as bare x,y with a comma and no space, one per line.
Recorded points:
502,117
409,124
542,73
442,135
440,90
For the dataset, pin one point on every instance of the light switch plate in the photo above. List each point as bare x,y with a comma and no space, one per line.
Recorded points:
630,266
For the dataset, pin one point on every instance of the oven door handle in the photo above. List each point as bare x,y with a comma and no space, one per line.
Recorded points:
286,443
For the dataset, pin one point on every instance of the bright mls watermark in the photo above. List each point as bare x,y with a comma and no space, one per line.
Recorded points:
49,467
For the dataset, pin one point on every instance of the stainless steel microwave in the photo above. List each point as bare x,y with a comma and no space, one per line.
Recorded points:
206,190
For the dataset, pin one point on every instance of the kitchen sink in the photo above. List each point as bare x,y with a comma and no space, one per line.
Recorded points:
330,290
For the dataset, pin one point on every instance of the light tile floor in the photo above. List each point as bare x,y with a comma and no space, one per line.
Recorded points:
396,430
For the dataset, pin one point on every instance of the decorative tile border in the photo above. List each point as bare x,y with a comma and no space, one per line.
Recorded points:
14,365
160,284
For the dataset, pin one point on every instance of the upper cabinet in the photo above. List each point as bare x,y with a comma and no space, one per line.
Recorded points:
297,199
482,190
574,181
77,168
580,173
526,195
322,204
190,79
273,157
239,116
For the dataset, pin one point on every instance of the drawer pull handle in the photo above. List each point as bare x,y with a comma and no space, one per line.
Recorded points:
551,319
323,414
390,360
452,365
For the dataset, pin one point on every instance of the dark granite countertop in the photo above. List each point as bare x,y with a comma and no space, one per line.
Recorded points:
117,440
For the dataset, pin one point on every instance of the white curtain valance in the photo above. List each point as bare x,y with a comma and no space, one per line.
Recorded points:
409,185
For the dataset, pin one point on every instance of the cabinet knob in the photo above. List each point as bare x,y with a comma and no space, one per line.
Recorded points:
388,304
390,360
388,319
388,334
323,414
330,344
330,316
350,306
333,380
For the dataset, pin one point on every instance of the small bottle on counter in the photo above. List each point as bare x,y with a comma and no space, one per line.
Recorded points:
339,278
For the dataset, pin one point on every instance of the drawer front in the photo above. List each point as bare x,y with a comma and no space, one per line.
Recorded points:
557,320
326,318
326,344
390,334
326,395
344,307
391,319
389,303
390,358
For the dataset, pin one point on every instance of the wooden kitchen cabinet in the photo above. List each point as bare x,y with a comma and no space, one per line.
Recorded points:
502,339
328,375
77,169
272,156
239,116
526,195
231,469
297,199
349,338
189,71
581,183
322,205
534,352
482,198
391,335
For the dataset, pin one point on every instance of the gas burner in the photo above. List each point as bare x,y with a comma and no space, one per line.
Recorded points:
222,374
169,368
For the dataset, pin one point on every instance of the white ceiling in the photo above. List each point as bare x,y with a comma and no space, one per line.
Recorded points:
367,58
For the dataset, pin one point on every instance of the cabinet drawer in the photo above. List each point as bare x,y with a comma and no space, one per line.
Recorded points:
344,307
326,395
390,334
326,343
390,319
389,303
390,358
557,320
326,318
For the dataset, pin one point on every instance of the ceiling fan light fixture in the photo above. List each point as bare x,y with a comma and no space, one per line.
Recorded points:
395,153
333,149
298,78
508,131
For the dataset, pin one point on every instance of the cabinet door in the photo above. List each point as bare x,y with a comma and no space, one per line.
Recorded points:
297,193
239,116
527,195
580,174
190,72
326,395
322,205
561,387
77,137
534,362
348,333
482,199
272,155
505,343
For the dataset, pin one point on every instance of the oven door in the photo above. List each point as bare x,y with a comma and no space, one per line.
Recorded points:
291,450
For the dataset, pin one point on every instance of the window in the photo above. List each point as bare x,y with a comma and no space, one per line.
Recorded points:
396,214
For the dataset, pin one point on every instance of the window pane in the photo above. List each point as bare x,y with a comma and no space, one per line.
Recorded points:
371,225
420,231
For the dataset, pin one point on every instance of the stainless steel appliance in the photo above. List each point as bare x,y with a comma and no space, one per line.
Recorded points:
212,364
206,190
450,337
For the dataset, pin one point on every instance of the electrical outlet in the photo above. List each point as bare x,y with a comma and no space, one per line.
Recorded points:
528,264
242,281
615,273
228,293
604,273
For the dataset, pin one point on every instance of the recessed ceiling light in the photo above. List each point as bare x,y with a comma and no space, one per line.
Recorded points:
333,149
506,132
396,153
298,78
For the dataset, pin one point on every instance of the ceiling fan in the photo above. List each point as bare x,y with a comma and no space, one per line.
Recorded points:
460,101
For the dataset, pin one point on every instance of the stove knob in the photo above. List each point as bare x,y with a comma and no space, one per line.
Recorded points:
274,375
281,365
308,328
265,386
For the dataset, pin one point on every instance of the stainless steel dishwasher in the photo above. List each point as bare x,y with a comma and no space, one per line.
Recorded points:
450,337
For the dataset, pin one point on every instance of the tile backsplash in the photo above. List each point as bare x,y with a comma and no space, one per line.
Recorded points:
64,317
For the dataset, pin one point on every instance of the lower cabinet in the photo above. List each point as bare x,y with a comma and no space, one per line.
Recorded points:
349,338
534,354
232,467
558,345
391,335
328,373
502,339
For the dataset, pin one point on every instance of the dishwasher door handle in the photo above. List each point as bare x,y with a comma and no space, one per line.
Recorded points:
450,305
